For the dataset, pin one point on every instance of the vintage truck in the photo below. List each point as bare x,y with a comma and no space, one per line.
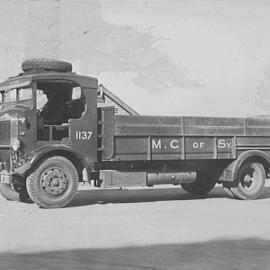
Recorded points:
52,130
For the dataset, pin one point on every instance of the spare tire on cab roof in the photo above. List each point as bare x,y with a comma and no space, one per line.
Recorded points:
46,64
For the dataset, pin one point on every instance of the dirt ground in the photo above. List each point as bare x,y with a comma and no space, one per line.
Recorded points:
160,228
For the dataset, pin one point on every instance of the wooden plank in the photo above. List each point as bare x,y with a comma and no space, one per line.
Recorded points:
253,141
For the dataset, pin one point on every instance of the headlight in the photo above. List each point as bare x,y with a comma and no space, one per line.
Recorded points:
16,144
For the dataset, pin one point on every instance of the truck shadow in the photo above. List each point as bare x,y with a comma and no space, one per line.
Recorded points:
86,197
223,254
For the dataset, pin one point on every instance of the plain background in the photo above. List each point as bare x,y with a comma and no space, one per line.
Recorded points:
161,57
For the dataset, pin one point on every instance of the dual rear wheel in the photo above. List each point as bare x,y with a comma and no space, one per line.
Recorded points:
249,185
250,182
204,183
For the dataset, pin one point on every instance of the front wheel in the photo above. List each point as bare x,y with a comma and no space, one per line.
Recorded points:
54,183
250,181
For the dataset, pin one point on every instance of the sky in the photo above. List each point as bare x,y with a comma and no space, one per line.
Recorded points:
162,57
222,46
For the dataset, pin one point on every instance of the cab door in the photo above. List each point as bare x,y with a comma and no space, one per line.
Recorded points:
83,131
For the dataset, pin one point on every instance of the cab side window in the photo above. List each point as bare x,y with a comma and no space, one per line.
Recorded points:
41,99
57,102
24,94
11,95
76,93
76,105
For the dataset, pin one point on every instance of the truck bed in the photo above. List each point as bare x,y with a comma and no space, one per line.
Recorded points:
179,138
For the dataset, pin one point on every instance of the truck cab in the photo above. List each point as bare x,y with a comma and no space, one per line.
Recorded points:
45,113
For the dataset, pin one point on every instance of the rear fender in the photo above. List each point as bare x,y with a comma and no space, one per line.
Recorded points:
231,171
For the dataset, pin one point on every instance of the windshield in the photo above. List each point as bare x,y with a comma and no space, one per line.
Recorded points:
17,96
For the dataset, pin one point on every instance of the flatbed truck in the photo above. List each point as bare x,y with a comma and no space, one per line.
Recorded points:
52,130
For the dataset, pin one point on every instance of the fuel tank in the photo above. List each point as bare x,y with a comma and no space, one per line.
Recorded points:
174,178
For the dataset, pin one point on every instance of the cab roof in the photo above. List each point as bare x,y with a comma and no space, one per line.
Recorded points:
26,79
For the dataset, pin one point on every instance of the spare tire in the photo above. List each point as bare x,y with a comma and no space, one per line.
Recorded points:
46,64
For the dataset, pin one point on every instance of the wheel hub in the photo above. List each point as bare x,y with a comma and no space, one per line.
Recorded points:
54,181
249,179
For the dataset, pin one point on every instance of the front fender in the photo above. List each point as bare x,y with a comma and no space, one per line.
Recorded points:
51,150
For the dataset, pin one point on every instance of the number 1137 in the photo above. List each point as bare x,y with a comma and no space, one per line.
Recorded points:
83,135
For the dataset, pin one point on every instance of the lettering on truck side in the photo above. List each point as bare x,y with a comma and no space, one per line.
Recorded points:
222,143
175,144
156,145
197,145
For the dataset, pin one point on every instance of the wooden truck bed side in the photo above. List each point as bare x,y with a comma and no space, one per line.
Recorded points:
180,138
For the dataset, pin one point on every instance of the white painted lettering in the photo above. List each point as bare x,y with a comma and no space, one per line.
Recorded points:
198,145
222,143
174,144
156,145
201,144
83,135
229,144
195,145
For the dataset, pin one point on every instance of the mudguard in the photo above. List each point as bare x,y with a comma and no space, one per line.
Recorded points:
230,172
45,151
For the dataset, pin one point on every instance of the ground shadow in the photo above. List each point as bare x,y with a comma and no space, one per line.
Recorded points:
248,254
86,197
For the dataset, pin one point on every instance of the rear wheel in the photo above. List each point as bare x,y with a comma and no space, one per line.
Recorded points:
250,181
204,183
54,183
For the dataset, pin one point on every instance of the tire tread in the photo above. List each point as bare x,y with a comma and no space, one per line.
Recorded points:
46,64
38,199
238,194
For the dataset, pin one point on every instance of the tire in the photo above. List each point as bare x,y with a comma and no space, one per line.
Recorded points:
203,184
54,183
19,195
46,64
251,181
